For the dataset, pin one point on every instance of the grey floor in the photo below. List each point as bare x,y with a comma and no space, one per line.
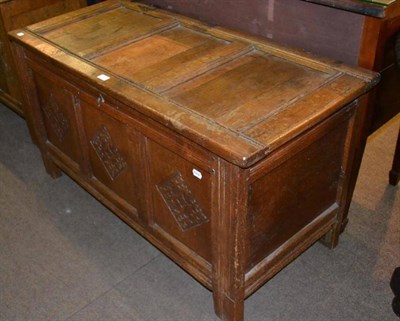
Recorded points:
63,256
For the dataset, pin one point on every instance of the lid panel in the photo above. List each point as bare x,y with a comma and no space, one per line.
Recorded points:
131,60
247,89
94,34
272,101
169,58
305,112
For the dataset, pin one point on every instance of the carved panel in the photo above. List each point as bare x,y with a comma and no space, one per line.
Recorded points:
108,153
57,120
181,202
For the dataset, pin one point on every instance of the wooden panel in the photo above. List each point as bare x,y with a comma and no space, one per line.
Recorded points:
17,14
181,199
114,159
285,125
171,58
57,103
387,103
92,34
253,83
357,6
293,194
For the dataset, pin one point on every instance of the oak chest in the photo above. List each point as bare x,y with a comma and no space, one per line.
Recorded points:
228,153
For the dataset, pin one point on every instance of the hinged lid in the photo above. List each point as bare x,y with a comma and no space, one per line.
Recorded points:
238,96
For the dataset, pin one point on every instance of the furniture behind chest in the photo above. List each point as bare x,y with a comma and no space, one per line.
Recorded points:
17,14
228,153
379,27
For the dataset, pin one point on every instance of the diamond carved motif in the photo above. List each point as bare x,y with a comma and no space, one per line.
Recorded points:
108,153
58,121
181,202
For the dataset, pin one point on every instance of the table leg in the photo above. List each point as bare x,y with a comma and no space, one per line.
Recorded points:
394,174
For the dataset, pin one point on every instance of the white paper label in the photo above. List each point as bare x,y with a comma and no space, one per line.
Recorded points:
197,174
103,77
20,34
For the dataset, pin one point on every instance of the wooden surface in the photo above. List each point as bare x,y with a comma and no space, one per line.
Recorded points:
192,128
394,174
16,14
376,9
378,53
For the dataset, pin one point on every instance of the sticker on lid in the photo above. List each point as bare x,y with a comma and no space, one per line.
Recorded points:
103,77
20,34
197,174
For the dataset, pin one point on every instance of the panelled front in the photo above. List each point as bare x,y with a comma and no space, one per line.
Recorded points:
114,158
82,133
120,159
57,102
181,198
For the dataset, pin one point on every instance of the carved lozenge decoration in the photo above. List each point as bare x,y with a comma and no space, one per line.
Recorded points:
58,121
181,202
108,153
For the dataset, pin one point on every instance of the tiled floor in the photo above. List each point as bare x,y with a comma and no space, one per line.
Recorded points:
63,256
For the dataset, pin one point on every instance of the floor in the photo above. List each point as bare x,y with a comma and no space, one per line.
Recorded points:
63,256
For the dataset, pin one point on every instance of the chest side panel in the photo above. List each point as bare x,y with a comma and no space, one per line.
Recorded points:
301,187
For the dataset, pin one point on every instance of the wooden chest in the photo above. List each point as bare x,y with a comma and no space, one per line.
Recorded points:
17,14
228,153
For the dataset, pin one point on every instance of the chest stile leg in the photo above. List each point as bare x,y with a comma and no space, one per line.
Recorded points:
33,114
229,239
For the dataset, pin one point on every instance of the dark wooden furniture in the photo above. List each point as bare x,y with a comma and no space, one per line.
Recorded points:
380,51
376,52
17,14
394,174
227,152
